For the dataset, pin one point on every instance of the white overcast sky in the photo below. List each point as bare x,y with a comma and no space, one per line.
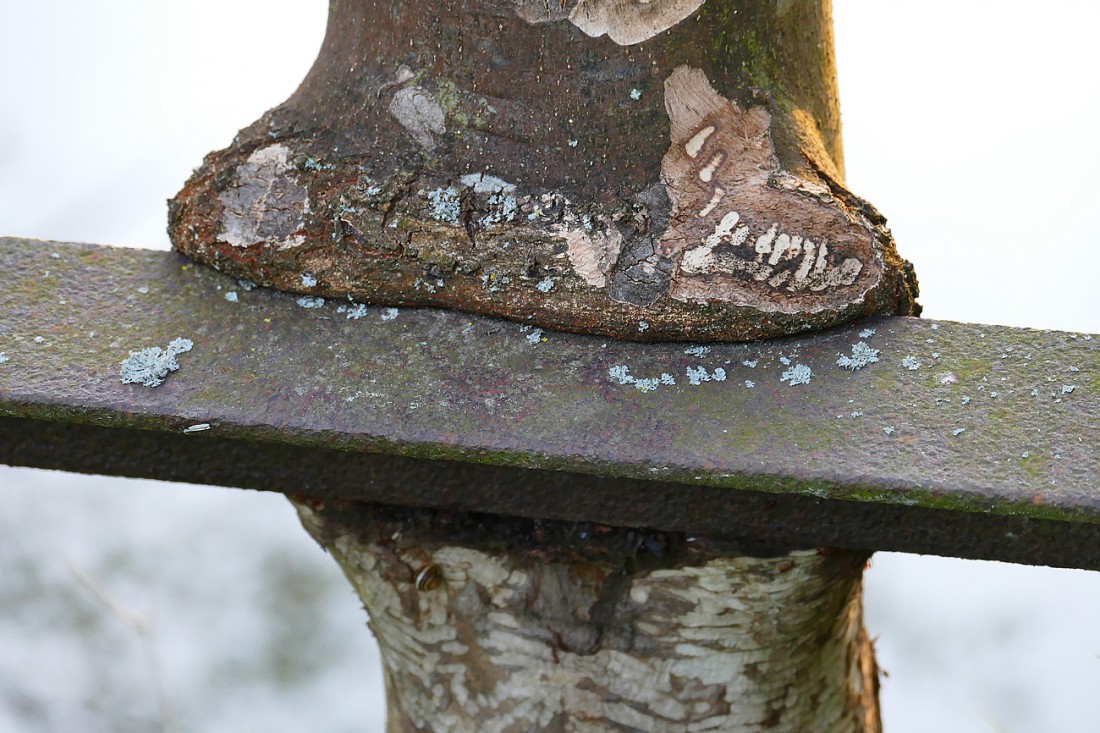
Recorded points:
970,125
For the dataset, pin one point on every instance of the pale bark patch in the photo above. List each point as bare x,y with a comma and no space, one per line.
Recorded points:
593,254
743,230
627,22
264,204
418,112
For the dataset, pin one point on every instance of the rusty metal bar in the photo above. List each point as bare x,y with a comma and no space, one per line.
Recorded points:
961,439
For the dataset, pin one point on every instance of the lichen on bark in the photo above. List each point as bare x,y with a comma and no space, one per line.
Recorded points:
366,173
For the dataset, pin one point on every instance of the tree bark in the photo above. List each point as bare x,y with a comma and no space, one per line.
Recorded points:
661,170
493,625
668,169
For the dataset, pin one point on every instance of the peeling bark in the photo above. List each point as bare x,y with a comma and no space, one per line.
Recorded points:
539,626
644,151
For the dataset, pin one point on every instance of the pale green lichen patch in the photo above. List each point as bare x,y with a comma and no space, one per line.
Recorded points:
862,355
150,366
355,311
446,205
797,374
621,374
698,375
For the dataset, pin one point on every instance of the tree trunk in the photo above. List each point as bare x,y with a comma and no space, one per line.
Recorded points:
657,170
654,170
493,625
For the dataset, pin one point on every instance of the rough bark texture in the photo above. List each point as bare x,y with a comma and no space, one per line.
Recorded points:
495,625
650,170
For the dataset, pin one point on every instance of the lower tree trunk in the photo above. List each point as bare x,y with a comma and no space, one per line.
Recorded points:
493,625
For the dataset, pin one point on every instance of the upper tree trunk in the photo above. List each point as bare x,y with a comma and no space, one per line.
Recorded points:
661,170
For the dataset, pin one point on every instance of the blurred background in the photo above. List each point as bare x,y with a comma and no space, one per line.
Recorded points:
141,606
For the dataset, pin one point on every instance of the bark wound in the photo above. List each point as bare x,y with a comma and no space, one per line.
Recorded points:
264,203
643,273
743,231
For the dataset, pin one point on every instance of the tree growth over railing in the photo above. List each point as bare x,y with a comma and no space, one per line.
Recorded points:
516,596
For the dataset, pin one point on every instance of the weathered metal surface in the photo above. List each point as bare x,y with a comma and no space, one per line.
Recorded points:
988,449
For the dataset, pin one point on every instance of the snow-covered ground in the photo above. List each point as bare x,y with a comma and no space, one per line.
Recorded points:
134,605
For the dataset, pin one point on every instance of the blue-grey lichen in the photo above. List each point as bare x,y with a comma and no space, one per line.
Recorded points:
535,336
622,375
698,375
231,296
888,430
798,374
446,205
546,284
354,311
749,383
643,326
493,283
750,363
307,302
246,285
388,314
862,355
308,280
911,363
697,351
150,366
504,208
635,94
867,333
429,285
